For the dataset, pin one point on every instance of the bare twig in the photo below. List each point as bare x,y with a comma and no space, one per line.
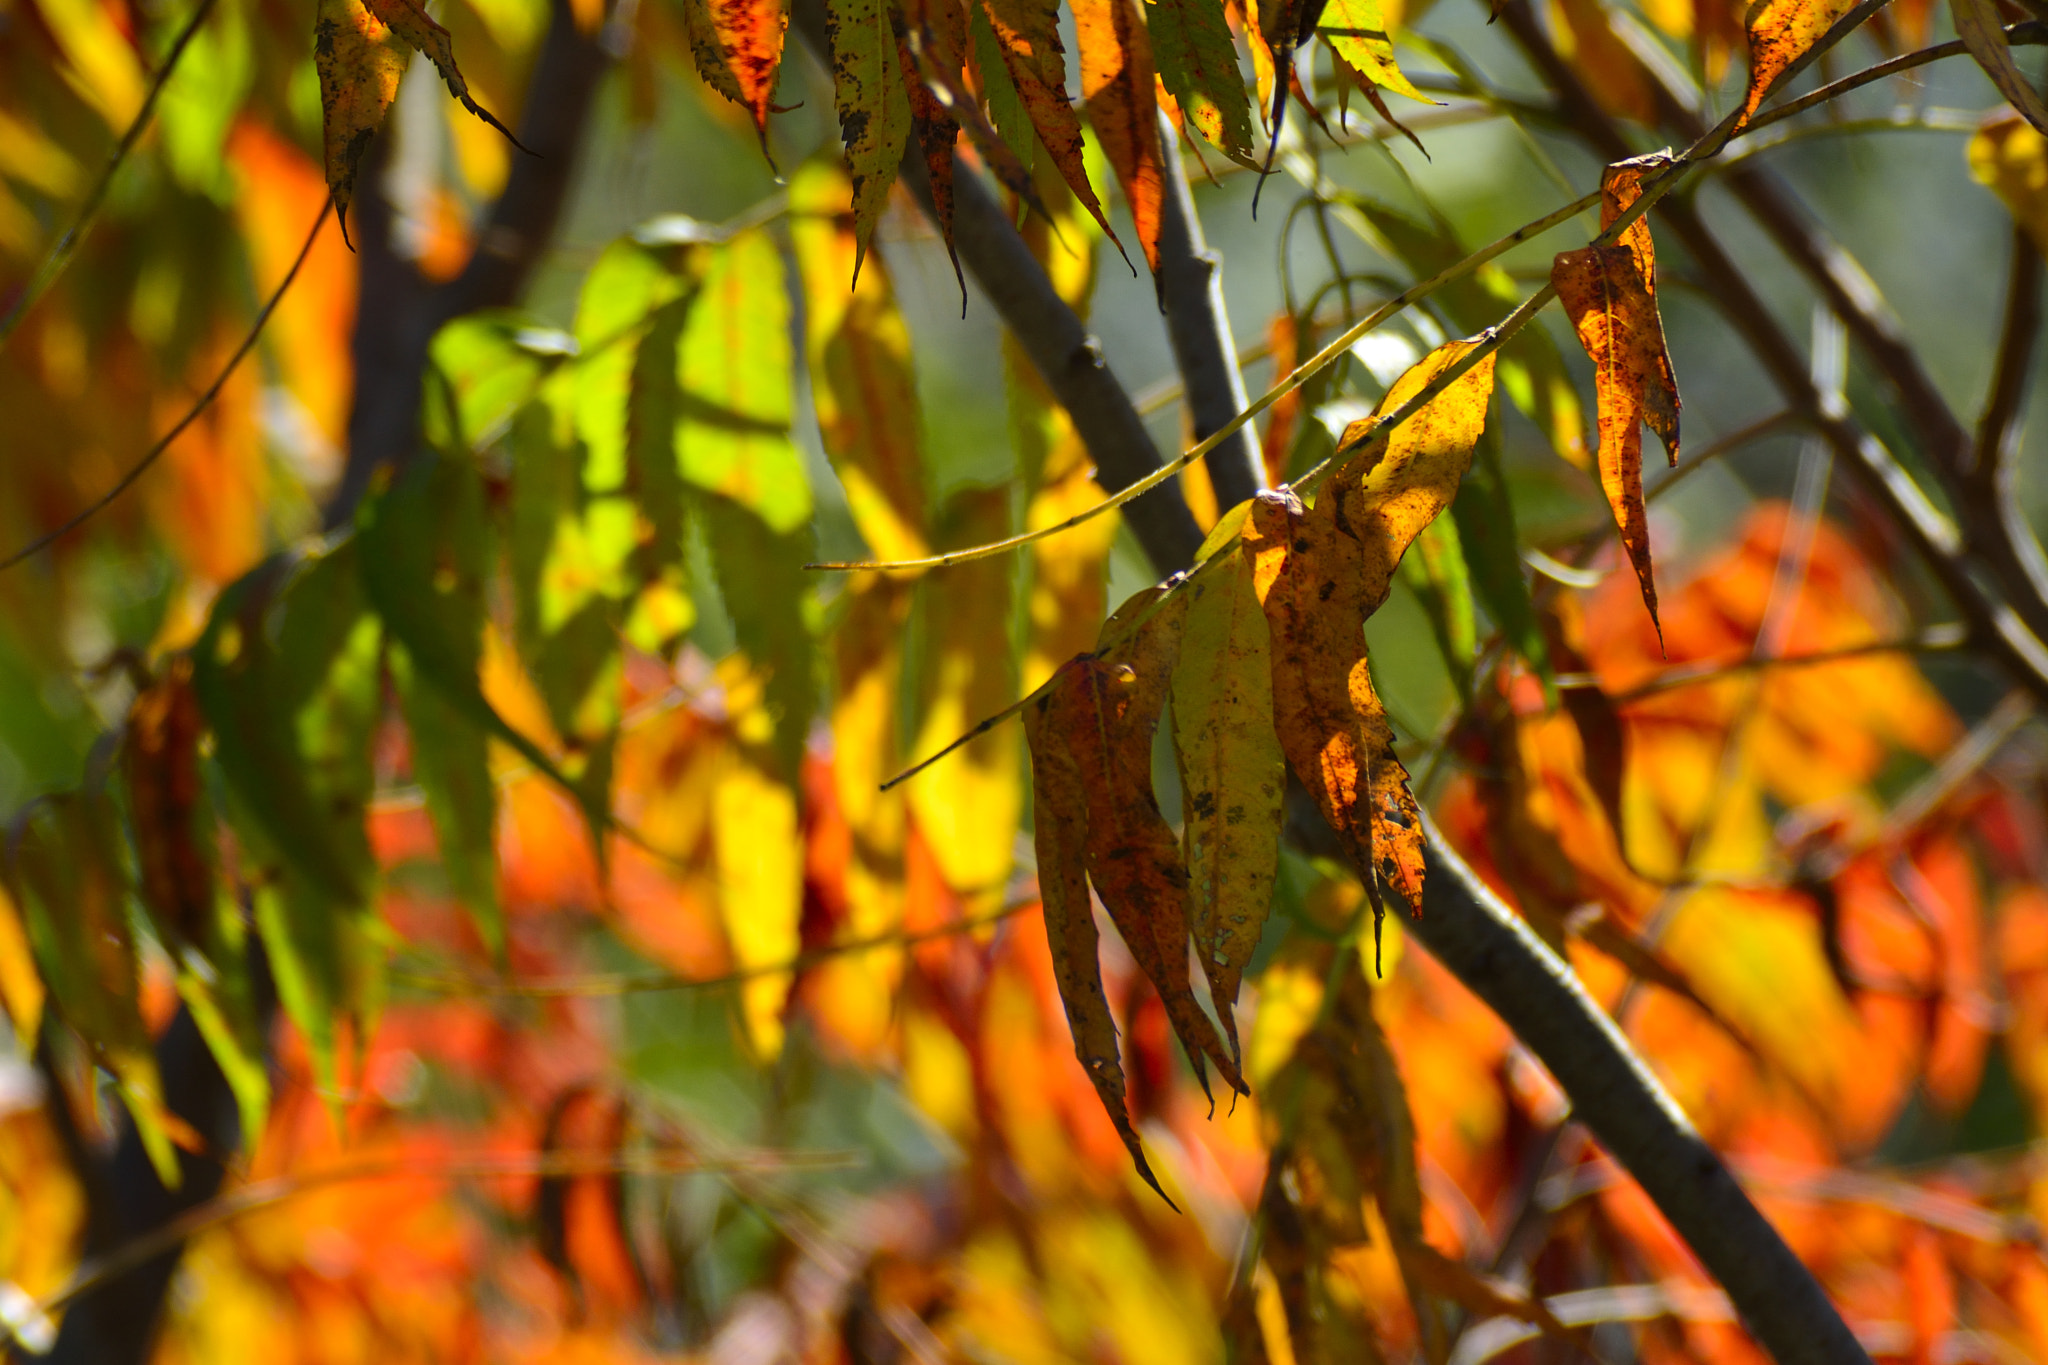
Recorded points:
1204,352
192,414
60,255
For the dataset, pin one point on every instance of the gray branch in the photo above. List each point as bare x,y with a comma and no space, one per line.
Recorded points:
1191,293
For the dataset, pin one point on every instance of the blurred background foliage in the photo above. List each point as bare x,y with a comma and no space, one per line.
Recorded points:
1826,878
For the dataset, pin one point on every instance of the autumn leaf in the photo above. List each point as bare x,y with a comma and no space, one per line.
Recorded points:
1320,572
1781,32
1357,31
1979,26
1117,83
937,132
1233,775
167,804
2011,157
1610,70
874,108
1134,861
1052,724
1027,36
1198,64
738,47
360,48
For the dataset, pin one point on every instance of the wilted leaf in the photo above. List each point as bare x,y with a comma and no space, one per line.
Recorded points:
738,47
166,806
1134,862
874,110
1198,64
1982,30
1321,572
1060,834
1027,35
1781,31
360,47
1617,321
1233,775
1117,83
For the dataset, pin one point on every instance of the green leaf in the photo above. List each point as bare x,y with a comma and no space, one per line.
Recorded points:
1198,63
1357,30
735,370
771,602
1233,775
1485,518
490,364
66,872
1005,105
874,106
1436,574
287,675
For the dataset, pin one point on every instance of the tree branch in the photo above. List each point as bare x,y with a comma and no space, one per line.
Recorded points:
1998,427
1486,946
399,313
1191,291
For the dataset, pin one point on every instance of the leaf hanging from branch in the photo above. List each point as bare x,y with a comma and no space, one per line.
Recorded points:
1780,33
1198,65
874,109
738,47
1118,83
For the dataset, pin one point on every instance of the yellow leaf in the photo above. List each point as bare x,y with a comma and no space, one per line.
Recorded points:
2011,156
968,806
758,849
1780,32
1233,775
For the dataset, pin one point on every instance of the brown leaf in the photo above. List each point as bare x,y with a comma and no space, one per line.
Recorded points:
359,49
1052,724
1979,26
936,131
1134,859
1028,36
165,795
1307,567
738,47
1616,319
1118,83
1780,32
1621,184
944,79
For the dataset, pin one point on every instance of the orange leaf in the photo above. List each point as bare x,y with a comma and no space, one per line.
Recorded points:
1028,36
165,794
1780,32
1118,83
1134,857
1306,567
738,47
1608,292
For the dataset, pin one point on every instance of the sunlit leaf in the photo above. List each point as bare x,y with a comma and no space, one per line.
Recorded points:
2011,156
1027,37
1117,83
738,47
1780,33
1358,32
1198,63
874,109
1233,775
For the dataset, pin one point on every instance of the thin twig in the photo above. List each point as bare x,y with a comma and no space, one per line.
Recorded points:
606,985
2017,35
220,380
60,255
1934,640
